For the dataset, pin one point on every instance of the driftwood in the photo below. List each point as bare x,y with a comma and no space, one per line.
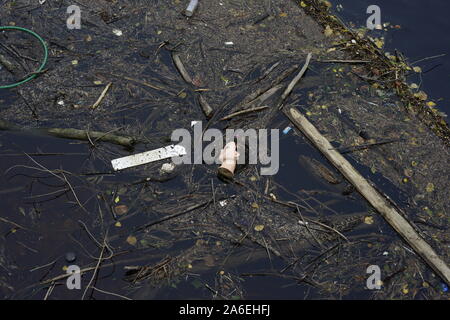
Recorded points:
380,203
76,134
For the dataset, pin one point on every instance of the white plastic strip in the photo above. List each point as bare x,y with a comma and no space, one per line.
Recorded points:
147,157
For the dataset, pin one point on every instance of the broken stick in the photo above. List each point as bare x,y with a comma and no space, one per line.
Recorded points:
181,68
294,81
243,112
380,203
102,96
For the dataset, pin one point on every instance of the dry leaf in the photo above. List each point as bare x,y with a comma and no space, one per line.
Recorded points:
132,240
368,220
121,209
328,31
259,227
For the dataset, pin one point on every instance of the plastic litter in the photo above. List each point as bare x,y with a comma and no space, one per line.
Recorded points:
147,157
223,203
286,130
191,8
167,167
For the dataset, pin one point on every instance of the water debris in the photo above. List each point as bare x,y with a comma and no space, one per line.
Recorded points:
375,198
167,168
294,81
7,64
223,203
189,12
131,240
228,117
70,257
181,68
259,228
102,96
70,133
228,157
207,109
117,32
287,130
148,157
121,209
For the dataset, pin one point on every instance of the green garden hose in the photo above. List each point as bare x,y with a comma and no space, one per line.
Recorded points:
44,61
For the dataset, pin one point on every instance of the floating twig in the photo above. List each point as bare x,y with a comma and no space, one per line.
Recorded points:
243,112
374,197
181,68
343,61
7,64
344,150
102,96
294,81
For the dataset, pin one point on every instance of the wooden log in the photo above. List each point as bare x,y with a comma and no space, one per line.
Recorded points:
77,134
379,202
69,133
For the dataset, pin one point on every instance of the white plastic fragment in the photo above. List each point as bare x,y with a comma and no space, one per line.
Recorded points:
147,157
191,8
117,32
286,130
223,203
168,167
229,43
